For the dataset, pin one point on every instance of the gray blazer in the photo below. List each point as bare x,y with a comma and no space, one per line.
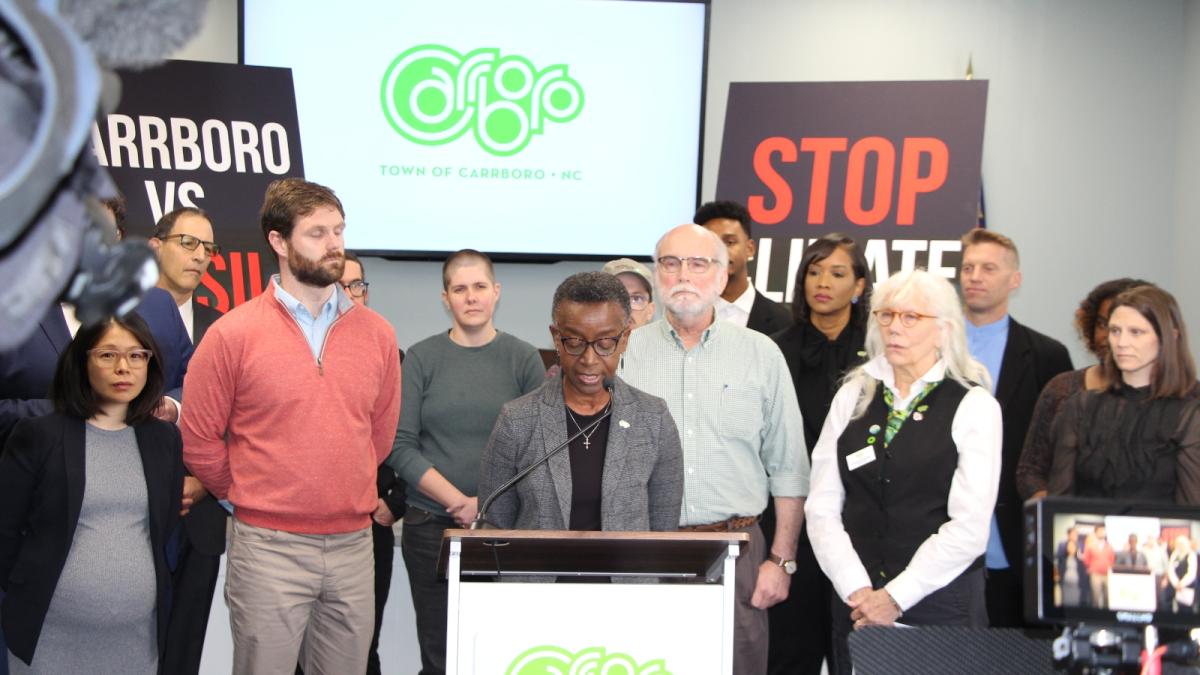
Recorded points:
642,486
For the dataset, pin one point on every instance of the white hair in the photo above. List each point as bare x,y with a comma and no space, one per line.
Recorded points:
719,251
937,296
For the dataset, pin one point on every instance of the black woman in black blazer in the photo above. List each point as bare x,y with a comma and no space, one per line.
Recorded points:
41,493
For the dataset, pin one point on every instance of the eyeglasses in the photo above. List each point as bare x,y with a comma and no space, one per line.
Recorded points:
136,358
604,346
356,288
907,319
190,243
696,264
638,300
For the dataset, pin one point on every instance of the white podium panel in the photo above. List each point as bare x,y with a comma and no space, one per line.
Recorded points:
520,624
528,628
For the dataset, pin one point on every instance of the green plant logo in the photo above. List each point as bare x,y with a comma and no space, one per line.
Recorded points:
431,95
551,660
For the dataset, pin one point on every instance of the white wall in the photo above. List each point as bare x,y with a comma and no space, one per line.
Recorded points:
1185,283
1088,162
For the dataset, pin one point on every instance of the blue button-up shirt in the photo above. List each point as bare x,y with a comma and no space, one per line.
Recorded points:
316,327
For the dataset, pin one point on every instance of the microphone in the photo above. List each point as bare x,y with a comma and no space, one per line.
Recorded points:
480,521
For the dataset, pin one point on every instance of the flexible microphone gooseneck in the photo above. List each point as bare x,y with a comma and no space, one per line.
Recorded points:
480,521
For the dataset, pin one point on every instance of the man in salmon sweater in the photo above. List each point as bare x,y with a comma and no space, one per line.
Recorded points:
292,404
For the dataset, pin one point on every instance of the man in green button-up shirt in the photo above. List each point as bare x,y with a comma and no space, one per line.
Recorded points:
730,393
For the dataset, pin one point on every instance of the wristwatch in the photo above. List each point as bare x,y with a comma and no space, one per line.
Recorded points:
788,566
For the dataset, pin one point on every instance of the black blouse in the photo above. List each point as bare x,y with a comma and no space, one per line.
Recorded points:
1123,444
817,365
587,469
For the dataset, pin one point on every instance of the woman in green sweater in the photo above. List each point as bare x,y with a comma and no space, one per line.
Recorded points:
453,386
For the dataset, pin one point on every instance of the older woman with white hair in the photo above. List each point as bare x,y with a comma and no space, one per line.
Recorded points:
905,474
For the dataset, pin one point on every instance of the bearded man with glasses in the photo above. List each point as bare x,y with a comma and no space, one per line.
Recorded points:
729,390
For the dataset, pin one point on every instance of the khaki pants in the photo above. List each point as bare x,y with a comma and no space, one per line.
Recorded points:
300,598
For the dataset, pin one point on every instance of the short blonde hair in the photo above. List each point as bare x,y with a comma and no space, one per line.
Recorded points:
978,235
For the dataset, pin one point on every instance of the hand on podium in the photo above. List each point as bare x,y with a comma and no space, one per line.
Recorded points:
464,512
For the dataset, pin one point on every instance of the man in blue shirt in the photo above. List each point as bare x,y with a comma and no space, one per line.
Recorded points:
1021,361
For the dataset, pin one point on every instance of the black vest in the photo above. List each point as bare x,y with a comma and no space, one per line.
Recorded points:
894,503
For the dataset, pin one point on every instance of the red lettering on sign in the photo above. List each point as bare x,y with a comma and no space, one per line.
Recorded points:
856,168
911,182
771,179
822,149
218,291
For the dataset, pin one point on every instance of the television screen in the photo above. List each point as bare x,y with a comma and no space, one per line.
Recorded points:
525,128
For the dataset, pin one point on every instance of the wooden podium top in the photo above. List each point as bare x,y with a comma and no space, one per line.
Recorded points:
696,555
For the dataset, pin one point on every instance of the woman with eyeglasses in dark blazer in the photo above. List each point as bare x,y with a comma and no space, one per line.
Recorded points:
88,496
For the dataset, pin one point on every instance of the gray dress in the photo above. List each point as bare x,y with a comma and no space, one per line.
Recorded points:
102,616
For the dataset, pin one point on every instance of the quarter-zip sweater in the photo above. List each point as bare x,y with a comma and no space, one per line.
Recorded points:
292,441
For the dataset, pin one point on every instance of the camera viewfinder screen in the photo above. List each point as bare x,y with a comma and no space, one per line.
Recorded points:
1125,563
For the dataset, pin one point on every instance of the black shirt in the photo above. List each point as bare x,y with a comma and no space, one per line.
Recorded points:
817,365
1125,445
587,469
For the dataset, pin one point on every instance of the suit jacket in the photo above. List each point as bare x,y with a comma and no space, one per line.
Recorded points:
203,316
767,316
205,523
1030,361
161,314
27,371
42,476
642,485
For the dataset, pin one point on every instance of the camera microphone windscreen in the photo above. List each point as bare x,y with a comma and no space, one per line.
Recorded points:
134,35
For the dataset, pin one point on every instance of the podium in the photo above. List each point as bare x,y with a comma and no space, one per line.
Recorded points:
644,602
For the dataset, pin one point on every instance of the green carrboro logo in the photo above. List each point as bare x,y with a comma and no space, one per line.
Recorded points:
431,95
551,660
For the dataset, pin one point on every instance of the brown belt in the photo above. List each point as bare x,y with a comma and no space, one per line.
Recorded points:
735,523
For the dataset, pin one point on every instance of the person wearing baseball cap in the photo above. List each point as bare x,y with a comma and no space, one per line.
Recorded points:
636,278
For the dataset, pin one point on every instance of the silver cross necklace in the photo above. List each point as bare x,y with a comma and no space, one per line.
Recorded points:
587,438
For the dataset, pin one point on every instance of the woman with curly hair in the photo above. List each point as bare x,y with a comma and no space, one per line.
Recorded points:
1091,321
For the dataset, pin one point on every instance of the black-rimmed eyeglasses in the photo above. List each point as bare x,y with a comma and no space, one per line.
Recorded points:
190,243
356,288
604,346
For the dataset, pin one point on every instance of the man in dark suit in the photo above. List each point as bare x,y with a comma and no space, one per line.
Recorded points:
740,303
183,243
27,370
1021,361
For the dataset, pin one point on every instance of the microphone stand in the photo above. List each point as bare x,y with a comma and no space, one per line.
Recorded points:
480,522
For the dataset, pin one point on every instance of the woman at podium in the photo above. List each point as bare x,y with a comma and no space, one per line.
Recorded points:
906,470
623,467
